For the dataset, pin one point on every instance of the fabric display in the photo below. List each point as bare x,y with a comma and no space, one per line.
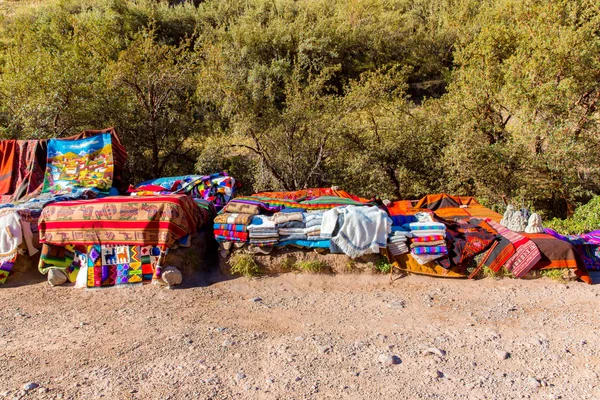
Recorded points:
263,231
79,164
587,245
356,230
428,239
13,231
217,189
232,227
22,165
144,220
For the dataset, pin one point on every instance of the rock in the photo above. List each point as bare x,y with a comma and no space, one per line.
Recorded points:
239,376
533,383
435,374
56,277
270,381
172,276
388,359
503,355
435,351
256,300
397,304
30,386
323,349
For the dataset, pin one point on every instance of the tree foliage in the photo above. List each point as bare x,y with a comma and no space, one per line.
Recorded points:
392,97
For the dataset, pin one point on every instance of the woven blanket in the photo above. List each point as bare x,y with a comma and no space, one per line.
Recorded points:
8,151
79,164
429,238
237,235
230,227
429,232
426,244
110,265
141,221
228,238
28,171
294,224
465,240
556,253
429,250
234,218
216,188
261,222
587,245
242,207
284,217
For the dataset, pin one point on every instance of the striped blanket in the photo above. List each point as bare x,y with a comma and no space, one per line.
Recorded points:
142,221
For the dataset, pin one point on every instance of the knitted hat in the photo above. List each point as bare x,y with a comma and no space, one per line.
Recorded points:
510,210
535,224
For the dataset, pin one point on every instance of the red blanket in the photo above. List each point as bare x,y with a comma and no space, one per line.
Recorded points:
138,221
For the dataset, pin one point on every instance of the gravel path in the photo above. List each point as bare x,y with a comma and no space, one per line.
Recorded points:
303,337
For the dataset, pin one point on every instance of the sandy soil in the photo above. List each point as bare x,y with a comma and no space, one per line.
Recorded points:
302,337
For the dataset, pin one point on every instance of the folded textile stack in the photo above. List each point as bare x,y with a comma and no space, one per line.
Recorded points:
263,231
232,227
397,241
428,242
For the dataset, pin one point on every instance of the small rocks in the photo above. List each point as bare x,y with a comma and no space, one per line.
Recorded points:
30,386
255,300
239,376
434,351
533,383
397,304
323,349
172,276
56,277
501,354
388,359
435,374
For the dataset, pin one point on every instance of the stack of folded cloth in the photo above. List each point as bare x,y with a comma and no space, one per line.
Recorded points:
313,221
263,231
428,242
291,225
397,240
232,227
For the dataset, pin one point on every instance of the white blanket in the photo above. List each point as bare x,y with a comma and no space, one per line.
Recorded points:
363,230
12,233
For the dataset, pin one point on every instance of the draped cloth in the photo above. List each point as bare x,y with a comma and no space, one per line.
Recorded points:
141,221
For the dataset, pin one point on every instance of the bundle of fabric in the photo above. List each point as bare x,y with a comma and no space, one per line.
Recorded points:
22,165
356,230
587,245
556,253
452,207
428,241
216,188
397,242
309,194
258,204
465,239
13,230
232,227
263,231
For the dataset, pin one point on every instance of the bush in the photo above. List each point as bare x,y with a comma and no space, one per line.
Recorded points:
243,264
585,219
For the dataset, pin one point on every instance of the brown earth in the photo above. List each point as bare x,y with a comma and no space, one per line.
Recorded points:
308,337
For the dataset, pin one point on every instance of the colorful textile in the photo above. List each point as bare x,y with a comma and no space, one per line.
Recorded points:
453,207
6,266
311,244
262,222
119,152
27,174
425,244
228,238
216,188
142,221
110,265
556,253
233,218
7,165
239,236
73,165
275,205
13,230
243,208
308,194
408,263
230,227
501,251
429,250
464,241
587,245
431,238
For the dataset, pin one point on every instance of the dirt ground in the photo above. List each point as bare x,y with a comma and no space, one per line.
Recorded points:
302,336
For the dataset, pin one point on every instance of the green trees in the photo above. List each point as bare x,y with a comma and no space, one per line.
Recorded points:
392,97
